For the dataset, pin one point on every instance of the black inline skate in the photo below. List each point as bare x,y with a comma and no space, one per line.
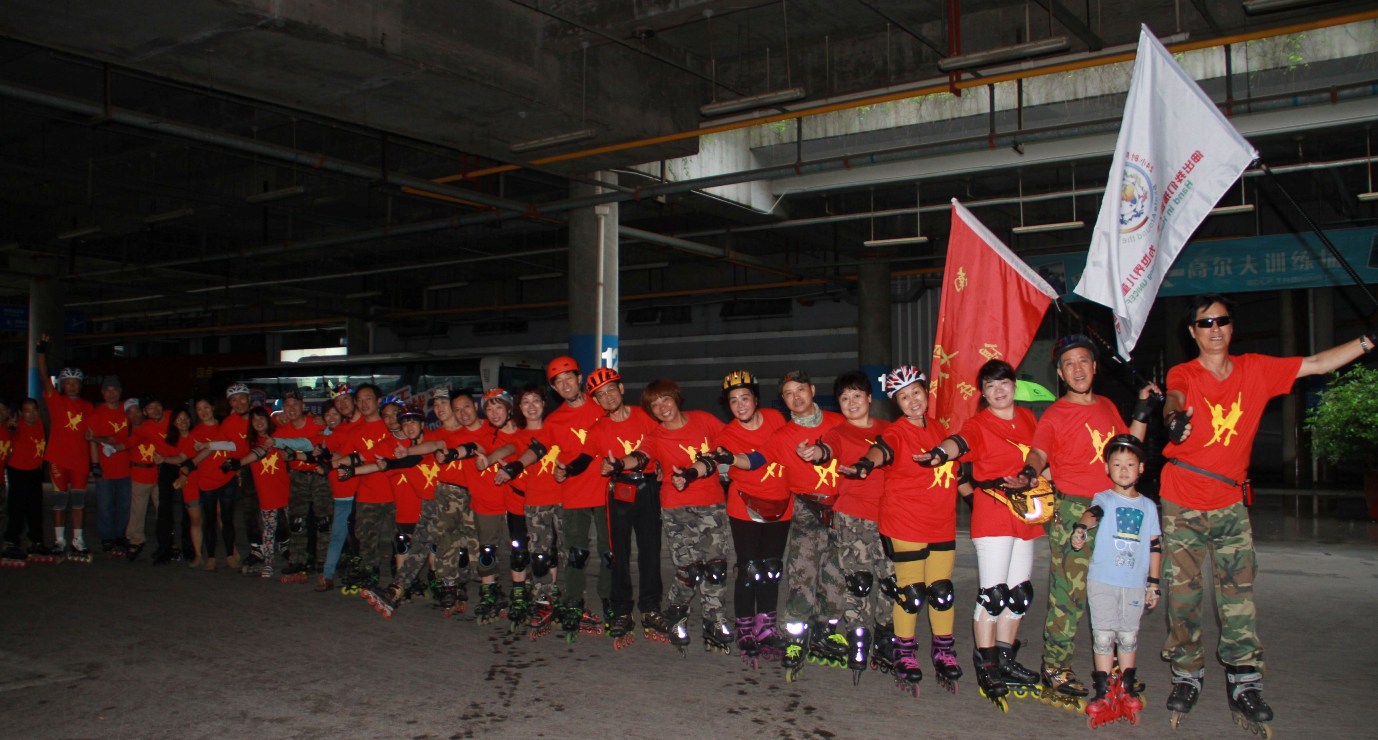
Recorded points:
295,573
717,636
858,652
797,651
988,680
453,599
1244,688
946,668
746,642
621,629
490,603
1021,682
384,600
655,627
770,641
828,646
1062,688
1130,700
519,609
1186,689
678,619
13,557
543,614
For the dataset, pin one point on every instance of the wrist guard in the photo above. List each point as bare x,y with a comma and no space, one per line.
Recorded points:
863,467
513,469
1177,426
578,465
617,466
449,456
937,456
690,474
230,465
42,347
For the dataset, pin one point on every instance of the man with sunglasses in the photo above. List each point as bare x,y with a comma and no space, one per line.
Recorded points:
1214,404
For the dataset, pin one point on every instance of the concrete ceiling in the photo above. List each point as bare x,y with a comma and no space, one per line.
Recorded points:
383,134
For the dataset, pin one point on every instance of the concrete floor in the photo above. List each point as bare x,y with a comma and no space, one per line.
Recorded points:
114,649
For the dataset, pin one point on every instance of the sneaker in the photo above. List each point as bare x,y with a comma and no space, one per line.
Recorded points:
232,562
209,565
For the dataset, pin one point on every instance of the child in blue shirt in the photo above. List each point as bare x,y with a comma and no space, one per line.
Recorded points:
1122,581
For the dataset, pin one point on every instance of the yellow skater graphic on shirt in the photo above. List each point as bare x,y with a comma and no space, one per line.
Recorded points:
827,476
580,433
73,421
368,444
40,448
629,445
773,470
944,475
146,453
1222,424
1098,443
270,463
551,459
4,448
116,427
431,471
692,451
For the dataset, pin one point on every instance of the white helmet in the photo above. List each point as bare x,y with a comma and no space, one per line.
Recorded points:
900,377
235,389
70,373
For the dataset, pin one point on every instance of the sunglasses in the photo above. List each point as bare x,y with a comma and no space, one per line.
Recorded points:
1212,321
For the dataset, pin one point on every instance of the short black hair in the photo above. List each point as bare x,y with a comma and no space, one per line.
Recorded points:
1204,301
851,380
377,392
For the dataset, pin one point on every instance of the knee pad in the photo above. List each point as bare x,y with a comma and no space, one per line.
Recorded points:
608,558
541,563
994,599
463,557
297,524
1104,642
401,544
716,571
1129,641
487,556
890,589
578,557
859,583
773,569
941,595
910,598
323,524
690,575
76,499
749,572
520,557
1020,598
55,500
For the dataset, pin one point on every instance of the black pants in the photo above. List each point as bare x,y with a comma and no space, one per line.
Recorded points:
246,496
25,507
169,497
642,517
756,541
221,498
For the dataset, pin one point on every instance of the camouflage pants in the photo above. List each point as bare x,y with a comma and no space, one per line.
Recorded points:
411,563
543,529
855,549
1066,582
805,553
454,531
1226,537
308,490
574,527
697,536
374,525
934,566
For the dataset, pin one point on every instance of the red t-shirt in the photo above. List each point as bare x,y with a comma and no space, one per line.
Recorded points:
856,497
6,444
1073,435
70,417
919,503
618,439
143,445
270,480
569,428
537,481
998,449
339,442
1225,418
28,446
111,422
457,473
208,472
236,426
407,484
672,448
801,476
485,496
372,440
757,483
310,429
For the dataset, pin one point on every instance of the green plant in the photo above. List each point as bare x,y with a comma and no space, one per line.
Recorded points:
1344,425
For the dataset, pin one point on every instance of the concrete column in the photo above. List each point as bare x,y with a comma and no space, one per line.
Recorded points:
358,333
45,317
593,306
873,332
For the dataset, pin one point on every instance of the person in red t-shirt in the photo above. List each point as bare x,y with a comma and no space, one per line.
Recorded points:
214,443
375,512
68,452
24,471
143,474
489,501
633,507
759,509
856,559
541,496
1068,443
269,469
177,449
996,439
109,435
309,493
1202,508
693,516
918,523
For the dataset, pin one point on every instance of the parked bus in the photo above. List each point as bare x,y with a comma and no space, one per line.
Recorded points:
406,375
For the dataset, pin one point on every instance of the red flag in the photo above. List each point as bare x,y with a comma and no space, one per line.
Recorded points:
992,304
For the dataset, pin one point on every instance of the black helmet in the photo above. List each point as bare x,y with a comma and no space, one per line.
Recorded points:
1071,342
1126,442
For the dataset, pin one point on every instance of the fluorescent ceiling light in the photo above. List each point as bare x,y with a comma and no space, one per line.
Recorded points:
775,97
79,233
158,218
899,241
1231,210
1253,7
448,286
364,294
1040,228
279,194
1366,197
1050,45
571,137
541,276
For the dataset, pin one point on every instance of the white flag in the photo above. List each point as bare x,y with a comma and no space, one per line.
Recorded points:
1176,155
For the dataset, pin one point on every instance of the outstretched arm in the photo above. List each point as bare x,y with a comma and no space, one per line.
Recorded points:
1336,357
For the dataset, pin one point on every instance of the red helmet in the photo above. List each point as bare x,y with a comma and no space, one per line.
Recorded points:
599,378
561,364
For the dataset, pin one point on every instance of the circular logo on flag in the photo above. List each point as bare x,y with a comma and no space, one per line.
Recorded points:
1136,197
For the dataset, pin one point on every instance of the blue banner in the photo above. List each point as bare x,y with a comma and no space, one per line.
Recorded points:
1278,262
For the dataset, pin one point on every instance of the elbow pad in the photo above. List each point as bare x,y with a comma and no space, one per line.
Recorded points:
1155,545
577,465
410,461
755,459
538,449
1097,512
887,453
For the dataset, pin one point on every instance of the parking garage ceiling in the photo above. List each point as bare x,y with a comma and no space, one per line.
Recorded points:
230,165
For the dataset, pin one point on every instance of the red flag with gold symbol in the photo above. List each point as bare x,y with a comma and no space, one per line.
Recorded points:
992,304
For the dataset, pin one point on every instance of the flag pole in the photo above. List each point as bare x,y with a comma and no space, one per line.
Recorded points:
1334,251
